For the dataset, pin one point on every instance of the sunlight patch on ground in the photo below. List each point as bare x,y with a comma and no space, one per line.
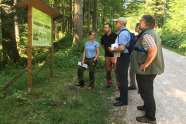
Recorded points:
164,83
180,94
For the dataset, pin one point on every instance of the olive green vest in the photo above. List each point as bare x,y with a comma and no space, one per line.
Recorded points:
138,58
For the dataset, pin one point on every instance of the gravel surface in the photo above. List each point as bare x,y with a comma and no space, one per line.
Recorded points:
169,92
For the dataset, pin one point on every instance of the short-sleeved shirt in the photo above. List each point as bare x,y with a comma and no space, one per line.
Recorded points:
107,41
124,39
148,42
90,49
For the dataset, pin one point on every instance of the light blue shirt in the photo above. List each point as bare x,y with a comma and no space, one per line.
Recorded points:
90,49
124,39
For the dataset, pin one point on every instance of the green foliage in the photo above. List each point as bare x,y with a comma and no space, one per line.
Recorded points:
176,42
176,17
156,8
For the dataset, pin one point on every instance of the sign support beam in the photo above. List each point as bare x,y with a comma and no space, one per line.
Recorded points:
51,52
29,48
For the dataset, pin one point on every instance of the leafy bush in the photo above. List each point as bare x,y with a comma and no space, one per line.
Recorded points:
174,41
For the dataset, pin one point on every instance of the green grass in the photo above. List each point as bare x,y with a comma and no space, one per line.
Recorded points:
57,100
181,52
175,42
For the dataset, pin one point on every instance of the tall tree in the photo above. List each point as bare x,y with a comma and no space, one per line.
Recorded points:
9,44
95,16
73,8
88,15
78,23
176,17
55,23
155,8
16,24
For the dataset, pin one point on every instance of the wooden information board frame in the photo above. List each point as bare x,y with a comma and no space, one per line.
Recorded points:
41,6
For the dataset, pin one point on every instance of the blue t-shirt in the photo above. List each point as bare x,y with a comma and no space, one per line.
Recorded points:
124,39
90,49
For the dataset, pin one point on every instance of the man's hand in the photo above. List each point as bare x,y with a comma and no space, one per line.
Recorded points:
152,51
111,49
143,67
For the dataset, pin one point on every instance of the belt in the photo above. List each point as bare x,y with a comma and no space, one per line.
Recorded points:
124,53
89,58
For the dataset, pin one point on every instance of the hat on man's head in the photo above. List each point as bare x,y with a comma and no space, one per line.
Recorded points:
122,19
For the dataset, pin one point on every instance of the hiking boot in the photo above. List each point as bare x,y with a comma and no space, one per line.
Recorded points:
117,98
141,108
120,103
143,119
131,88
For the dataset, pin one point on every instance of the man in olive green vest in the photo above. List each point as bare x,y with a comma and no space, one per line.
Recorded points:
147,65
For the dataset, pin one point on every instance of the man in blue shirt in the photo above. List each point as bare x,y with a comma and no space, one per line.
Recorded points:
122,64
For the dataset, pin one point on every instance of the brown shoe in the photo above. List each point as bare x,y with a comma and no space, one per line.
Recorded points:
143,119
81,84
90,87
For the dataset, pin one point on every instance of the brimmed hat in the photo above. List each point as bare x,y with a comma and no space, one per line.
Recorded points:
122,19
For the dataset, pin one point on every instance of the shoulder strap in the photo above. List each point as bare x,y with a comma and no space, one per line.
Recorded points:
118,37
122,31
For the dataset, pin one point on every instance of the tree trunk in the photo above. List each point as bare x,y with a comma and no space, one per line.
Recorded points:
113,21
88,15
63,21
95,16
72,15
55,23
16,25
78,23
9,44
104,15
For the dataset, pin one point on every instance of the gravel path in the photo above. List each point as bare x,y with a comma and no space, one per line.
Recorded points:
169,92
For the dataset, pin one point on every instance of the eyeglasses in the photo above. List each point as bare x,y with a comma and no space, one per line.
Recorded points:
117,22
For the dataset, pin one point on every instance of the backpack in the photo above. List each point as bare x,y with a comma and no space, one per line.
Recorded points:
132,43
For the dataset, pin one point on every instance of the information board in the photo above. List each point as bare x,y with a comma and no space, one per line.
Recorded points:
41,28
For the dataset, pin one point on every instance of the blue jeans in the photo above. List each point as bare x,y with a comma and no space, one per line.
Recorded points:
122,66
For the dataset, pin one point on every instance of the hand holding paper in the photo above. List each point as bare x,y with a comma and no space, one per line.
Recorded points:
115,46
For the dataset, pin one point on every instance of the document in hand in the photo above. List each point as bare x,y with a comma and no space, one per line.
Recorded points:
114,46
84,65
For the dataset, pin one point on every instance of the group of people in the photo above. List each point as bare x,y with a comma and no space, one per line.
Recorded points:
144,65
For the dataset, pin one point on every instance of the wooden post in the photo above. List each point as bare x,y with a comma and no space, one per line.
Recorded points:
41,6
51,53
29,48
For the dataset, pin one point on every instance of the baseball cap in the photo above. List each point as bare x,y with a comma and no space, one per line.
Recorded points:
122,19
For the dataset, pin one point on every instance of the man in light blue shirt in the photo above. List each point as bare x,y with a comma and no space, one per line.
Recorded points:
124,38
122,64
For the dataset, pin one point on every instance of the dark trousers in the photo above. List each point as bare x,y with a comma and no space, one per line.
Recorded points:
122,66
80,72
145,84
